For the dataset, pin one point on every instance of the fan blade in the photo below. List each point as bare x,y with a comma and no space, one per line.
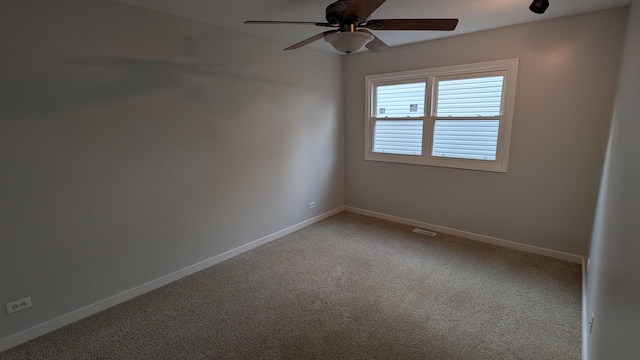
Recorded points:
412,24
362,9
310,40
375,45
261,22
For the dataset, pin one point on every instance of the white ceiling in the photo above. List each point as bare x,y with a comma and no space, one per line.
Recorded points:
474,15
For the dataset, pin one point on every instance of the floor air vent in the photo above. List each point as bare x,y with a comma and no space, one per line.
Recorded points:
424,232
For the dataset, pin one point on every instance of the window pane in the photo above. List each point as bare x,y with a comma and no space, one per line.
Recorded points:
466,139
470,97
400,100
398,137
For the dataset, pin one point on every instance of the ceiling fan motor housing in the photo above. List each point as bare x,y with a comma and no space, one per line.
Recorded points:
336,11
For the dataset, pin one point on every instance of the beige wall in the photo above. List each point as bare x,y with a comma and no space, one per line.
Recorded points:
564,98
117,171
613,287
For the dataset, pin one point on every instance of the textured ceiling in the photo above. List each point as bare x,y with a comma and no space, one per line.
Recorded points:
474,15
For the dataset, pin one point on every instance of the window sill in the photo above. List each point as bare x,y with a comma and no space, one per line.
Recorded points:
475,165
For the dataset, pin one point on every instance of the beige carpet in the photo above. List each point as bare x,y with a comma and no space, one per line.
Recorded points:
349,287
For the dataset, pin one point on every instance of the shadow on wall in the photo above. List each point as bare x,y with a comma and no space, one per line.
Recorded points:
84,81
134,144
160,129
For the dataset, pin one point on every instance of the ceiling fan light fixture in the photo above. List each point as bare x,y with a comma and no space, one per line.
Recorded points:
539,6
348,42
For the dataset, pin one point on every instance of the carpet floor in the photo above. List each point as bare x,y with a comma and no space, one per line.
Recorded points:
348,287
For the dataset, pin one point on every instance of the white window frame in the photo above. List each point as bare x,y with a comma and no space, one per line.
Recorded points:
508,66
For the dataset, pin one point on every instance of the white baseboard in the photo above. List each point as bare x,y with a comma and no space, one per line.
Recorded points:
469,235
101,305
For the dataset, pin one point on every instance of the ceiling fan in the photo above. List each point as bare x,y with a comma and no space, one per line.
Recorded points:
350,20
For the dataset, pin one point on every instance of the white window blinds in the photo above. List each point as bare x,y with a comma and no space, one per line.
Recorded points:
398,137
470,97
463,128
466,139
400,110
400,100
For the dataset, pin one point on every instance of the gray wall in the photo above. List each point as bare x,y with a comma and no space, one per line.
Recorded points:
118,170
564,98
613,287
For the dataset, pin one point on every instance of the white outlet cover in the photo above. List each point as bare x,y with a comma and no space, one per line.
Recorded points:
18,305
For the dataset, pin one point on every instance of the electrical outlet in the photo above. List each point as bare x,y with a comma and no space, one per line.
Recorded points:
593,317
18,305
312,205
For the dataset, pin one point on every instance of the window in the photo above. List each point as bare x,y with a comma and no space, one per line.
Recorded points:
455,116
